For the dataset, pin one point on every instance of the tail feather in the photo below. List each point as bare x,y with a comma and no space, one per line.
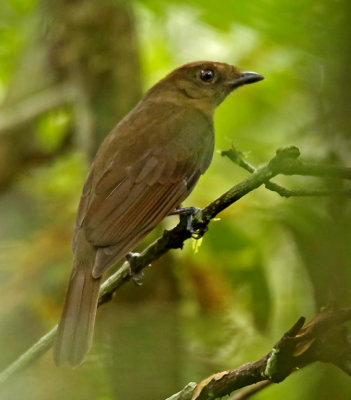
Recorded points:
75,331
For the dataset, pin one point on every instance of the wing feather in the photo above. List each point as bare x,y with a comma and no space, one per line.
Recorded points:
136,226
140,181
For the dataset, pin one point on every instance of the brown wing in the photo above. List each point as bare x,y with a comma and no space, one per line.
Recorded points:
129,199
136,205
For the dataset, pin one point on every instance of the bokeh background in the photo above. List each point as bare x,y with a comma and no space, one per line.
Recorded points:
69,70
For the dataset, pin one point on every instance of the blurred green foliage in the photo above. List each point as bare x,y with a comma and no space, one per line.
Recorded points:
267,260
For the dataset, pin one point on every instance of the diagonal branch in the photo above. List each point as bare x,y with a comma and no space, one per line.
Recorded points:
175,238
323,339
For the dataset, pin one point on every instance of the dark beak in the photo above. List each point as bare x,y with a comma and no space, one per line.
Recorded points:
245,78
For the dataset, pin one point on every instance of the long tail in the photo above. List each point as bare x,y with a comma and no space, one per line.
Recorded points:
76,327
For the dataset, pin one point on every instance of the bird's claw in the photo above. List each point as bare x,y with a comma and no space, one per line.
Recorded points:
198,233
137,277
189,213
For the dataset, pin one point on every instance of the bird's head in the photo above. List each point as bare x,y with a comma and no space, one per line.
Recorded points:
205,82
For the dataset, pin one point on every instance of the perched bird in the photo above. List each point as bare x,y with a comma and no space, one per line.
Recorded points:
144,169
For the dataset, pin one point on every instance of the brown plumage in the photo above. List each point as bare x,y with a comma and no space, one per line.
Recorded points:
144,169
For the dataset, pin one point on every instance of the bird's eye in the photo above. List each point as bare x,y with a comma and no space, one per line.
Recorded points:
207,75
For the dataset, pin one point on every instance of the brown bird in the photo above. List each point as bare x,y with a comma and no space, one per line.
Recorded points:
144,169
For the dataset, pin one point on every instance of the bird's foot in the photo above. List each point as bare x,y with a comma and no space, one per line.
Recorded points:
189,213
137,277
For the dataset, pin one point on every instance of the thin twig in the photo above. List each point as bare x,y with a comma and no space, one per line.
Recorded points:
297,168
33,353
284,192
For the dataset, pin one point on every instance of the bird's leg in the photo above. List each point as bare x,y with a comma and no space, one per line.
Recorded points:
137,277
189,213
